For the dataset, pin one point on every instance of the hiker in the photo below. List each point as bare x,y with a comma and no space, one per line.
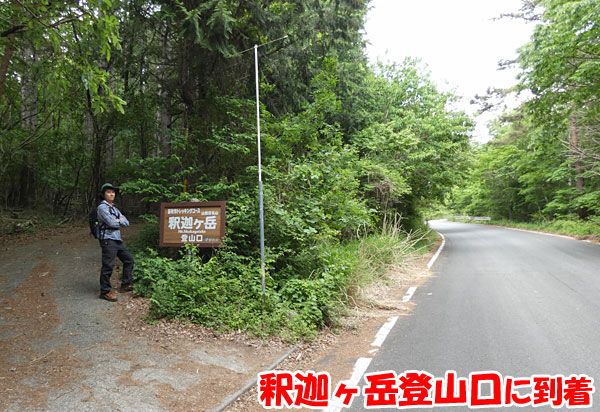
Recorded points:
110,220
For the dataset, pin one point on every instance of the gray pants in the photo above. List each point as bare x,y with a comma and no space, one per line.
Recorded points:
112,249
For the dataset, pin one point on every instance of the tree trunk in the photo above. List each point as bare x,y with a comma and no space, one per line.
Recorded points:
164,121
27,183
29,116
29,92
98,146
578,167
5,62
574,151
164,98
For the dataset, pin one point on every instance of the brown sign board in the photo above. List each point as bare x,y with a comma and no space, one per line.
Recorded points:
199,223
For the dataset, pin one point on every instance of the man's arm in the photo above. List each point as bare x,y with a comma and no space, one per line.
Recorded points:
107,219
123,220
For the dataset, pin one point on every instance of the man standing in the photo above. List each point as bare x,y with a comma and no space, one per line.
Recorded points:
111,220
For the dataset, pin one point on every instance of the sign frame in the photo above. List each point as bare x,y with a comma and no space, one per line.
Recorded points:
166,205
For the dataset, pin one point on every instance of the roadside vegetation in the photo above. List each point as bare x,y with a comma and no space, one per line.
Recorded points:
16,221
159,98
223,290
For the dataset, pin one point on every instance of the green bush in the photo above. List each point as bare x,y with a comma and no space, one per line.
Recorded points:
575,226
225,292
146,238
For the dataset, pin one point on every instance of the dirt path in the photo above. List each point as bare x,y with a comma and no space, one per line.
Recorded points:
64,349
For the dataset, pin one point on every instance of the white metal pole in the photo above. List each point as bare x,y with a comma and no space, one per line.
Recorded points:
260,185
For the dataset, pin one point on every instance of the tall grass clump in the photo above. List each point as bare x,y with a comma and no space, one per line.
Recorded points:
387,250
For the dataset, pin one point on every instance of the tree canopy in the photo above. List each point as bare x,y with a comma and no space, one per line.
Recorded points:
543,161
158,97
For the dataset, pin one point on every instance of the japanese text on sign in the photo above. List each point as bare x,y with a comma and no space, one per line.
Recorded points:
419,389
201,223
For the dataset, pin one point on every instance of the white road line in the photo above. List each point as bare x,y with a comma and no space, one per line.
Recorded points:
572,237
535,231
360,367
434,258
383,331
409,294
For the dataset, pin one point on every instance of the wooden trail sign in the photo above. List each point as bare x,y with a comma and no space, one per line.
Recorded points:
199,223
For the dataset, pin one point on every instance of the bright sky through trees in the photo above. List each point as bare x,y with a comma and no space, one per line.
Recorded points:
458,40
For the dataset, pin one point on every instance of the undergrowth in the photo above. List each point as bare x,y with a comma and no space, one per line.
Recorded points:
224,291
17,221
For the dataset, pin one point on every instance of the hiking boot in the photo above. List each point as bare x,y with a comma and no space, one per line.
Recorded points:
126,288
110,296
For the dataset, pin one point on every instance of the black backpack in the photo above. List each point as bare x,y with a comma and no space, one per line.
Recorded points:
96,228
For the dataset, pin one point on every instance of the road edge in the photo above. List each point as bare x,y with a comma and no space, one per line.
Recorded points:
540,232
251,382
437,254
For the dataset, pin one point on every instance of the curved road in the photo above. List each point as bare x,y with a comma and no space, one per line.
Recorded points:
515,302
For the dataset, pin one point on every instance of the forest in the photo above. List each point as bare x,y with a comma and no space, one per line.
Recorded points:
542,164
158,97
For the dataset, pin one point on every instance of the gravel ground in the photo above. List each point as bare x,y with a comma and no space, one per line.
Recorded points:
64,349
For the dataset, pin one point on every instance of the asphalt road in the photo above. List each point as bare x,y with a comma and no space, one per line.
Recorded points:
515,302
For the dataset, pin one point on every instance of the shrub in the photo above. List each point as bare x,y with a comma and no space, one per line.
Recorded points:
225,291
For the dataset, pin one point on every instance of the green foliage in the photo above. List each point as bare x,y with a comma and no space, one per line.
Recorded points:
147,238
156,178
572,225
224,292
412,147
381,251
543,163
158,97
525,174
86,32
561,64
321,191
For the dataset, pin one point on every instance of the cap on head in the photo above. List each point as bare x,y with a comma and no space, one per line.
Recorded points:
106,186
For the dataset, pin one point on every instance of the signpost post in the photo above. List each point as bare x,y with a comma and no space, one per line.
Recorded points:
260,183
261,210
